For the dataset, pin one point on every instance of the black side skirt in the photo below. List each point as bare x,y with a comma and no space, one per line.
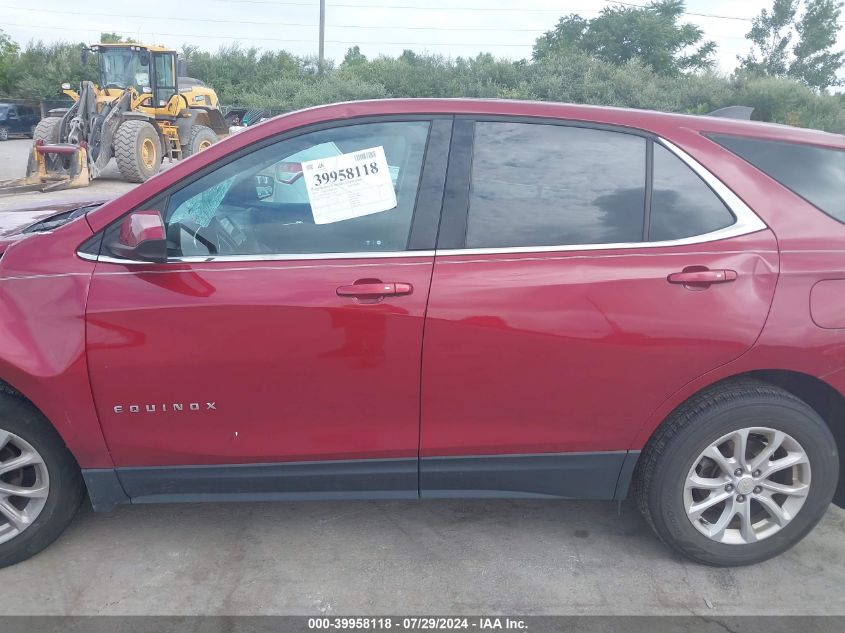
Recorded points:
560,476
603,475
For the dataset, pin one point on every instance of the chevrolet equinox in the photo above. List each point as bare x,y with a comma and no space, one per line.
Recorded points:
411,299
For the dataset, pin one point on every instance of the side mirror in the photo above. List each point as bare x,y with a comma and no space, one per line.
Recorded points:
264,186
141,236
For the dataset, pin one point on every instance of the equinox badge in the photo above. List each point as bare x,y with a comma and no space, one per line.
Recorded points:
164,408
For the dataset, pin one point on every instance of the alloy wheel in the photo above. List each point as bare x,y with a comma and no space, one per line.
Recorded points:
747,485
24,485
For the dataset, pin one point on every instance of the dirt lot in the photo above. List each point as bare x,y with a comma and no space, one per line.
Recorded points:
483,557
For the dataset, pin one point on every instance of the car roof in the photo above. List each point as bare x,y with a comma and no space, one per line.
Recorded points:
648,120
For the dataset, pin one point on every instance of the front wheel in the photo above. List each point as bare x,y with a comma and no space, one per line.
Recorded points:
738,474
40,484
137,149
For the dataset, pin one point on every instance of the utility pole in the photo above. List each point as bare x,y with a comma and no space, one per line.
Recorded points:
322,34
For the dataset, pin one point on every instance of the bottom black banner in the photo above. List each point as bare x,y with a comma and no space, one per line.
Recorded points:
516,624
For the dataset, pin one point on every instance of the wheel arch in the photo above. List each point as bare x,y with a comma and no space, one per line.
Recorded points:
211,118
9,390
825,399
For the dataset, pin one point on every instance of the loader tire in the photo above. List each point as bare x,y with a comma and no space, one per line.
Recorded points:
47,130
138,151
201,137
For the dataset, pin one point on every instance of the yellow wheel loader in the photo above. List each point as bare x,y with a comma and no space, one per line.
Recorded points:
140,112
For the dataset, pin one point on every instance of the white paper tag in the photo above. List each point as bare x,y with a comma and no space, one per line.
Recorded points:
349,185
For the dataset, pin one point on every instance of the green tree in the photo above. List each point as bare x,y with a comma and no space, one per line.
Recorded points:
8,59
815,61
770,34
652,34
114,38
811,59
354,58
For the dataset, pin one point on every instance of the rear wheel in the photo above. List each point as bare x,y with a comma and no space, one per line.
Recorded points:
201,138
137,149
738,474
40,484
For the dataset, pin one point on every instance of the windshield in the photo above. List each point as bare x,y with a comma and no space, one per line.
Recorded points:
122,68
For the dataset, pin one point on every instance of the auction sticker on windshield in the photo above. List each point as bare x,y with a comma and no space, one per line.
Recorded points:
349,186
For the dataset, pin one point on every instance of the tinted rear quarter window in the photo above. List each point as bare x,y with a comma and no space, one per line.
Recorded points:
817,174
682,204
549,185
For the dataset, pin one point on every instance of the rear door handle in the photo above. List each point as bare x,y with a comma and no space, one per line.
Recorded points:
697,277
375,289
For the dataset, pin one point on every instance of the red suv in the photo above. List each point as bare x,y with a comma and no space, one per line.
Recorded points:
439,299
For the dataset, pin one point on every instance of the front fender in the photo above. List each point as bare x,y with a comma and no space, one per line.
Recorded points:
43,293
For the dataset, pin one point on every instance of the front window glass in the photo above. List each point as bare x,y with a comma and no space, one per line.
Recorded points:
262,203
122,68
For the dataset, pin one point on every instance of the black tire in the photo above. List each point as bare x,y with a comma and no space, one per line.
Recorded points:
4,134
663,467
66,487
133,143
200,137
47,130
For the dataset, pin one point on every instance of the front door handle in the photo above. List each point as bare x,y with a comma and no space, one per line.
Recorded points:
373,290
700,277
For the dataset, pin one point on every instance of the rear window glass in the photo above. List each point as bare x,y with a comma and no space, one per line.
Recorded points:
548,185
817,174
682,205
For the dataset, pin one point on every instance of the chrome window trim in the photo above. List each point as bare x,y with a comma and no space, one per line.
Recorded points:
261,258
746,222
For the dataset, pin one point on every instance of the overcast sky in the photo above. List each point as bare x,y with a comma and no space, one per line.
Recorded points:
453,28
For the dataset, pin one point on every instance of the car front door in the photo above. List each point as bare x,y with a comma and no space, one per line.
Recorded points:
284,332
582,276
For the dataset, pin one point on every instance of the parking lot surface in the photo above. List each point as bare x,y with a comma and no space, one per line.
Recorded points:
13,159
445,557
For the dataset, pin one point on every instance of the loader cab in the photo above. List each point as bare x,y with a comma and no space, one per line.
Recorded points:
150,70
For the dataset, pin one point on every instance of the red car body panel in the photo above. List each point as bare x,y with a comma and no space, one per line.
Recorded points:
571,349
42,336
307,374
491,368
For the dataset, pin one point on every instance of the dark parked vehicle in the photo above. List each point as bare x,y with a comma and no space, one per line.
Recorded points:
410,299
18,120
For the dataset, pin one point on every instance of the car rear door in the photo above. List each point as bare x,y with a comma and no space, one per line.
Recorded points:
583,274
276,336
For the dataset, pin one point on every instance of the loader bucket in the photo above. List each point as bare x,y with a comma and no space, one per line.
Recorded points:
67,168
